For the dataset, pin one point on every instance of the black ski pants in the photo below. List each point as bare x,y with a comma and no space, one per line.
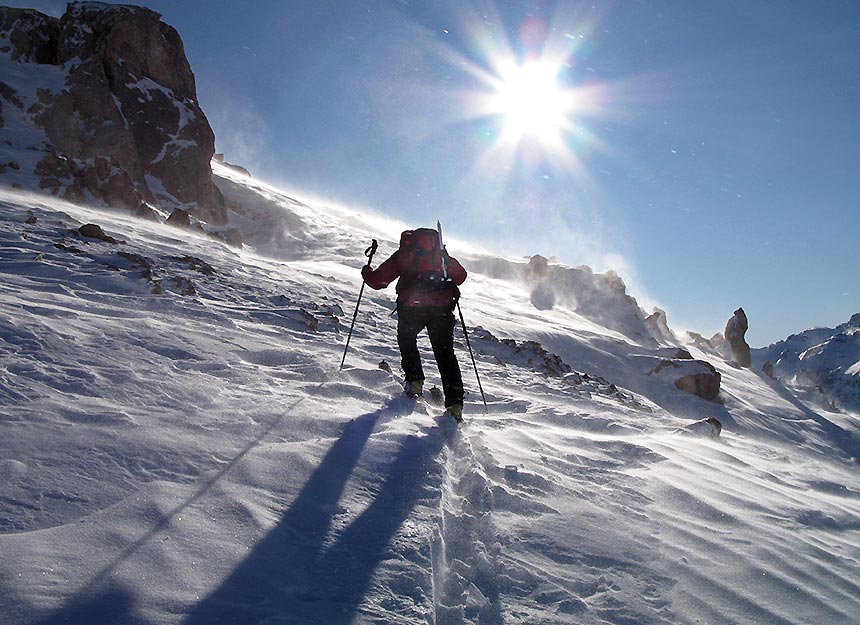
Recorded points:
440,328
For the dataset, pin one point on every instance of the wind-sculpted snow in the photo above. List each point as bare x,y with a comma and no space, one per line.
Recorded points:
178,446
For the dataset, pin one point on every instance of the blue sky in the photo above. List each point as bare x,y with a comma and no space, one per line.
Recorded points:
711,157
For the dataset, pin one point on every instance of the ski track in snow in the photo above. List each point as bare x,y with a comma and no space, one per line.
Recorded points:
198,458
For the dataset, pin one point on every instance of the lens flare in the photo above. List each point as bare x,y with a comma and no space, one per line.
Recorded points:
531,102
530,98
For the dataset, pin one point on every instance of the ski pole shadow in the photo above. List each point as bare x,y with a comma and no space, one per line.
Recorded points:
102,601
288,576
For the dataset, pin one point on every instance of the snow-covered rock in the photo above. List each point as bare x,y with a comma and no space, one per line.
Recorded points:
599,297
697,377
658,324
709,427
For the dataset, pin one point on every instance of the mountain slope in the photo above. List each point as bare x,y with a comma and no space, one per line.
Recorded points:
823,363
179,446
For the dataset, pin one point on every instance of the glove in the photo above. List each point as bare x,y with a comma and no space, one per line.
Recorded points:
365,272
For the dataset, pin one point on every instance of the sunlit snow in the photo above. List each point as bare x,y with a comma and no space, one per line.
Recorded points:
179,447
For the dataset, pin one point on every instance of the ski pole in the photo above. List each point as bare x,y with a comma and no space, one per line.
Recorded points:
472,354
369,252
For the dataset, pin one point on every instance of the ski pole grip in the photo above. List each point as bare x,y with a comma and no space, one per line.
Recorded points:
369,252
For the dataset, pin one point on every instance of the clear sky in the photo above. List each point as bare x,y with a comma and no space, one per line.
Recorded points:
707,151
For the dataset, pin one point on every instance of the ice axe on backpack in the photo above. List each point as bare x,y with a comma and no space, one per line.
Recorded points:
369,252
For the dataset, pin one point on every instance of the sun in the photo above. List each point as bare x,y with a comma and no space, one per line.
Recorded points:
532,103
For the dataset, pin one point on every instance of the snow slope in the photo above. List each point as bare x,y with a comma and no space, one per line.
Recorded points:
179,447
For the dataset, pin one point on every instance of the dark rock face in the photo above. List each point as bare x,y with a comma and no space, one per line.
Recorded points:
98,176
94,231
705,384
736,328
126,127
179,218
33,36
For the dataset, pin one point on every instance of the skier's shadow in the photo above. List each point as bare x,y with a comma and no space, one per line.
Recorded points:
290,574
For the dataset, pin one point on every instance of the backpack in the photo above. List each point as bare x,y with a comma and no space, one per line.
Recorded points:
424,261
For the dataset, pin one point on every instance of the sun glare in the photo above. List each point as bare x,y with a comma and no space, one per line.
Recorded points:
532,103
535,100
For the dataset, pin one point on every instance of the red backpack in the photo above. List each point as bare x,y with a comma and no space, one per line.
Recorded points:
423,260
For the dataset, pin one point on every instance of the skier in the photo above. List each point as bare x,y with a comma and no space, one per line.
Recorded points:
426,296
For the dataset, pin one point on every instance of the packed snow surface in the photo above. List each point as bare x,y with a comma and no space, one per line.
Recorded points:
179,445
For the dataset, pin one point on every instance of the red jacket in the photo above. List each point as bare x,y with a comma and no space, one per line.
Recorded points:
418,293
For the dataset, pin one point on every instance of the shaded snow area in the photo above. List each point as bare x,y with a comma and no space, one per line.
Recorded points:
178,446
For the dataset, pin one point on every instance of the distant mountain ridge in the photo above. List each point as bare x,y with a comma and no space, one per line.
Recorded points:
826,360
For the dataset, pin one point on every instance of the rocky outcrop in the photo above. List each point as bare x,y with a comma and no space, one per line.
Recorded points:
736,328
31,37
219,158
704,383
98,177
531,355
658,325
179,219
696,377
710,427
94,231
125,126
535,275
598,297
536,269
